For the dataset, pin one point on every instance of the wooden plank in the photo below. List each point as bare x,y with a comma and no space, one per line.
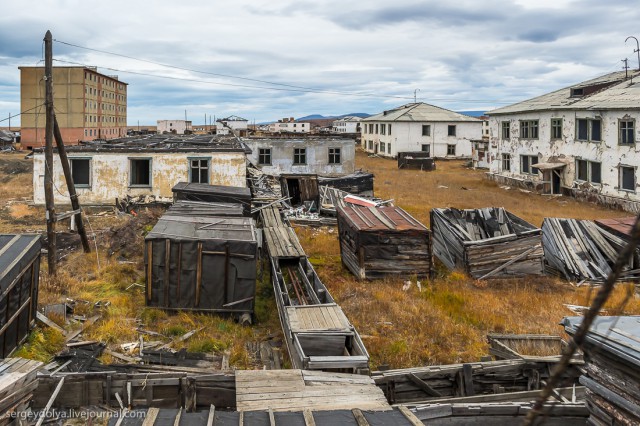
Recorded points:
46,321
212,415
424,386
150,416
410,416
50,402
362,421
308,418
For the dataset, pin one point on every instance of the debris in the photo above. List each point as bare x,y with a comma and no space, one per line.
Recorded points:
406,286
181,338
443,187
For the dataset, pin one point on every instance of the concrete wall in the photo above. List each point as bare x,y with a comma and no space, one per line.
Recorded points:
289,127
608,152
170,126
110,174
407,136
317,155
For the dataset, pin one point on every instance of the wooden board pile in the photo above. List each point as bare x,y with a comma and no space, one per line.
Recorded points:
18,381
612,379
486,243
580,250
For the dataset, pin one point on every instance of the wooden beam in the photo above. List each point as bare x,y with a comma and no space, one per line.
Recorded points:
50,402
150,417
212,415
308,418
48,154
410,416
423,386
515,259
362,421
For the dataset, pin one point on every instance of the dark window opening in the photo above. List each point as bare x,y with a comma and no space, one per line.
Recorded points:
628,178
426,148
334,156
526,163
80,171
264,156
451,130
299,156
200,170
529,129
627,132
506,162
426,130
506,130
140,172
556,128
451,150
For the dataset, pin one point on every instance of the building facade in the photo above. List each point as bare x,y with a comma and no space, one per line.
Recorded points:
580,141
420,127
232,125
349,124
289,125
333,156
88,105
177,127
102,174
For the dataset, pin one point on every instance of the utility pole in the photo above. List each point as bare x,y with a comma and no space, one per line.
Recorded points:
414,96
9,121
626,68
636,50
48,154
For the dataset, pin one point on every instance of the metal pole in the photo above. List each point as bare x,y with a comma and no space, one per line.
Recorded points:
48,154
75,204
637,50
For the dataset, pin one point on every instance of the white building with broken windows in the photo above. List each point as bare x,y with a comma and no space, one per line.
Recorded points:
420,127
580,141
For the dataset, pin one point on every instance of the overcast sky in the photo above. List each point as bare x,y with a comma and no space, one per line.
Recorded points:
461,55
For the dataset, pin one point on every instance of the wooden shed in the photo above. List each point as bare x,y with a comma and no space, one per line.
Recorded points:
381,241
300,188
19,275
420,160
487,243
213,194
202,263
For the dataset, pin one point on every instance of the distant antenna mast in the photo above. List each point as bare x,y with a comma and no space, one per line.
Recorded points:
414,96
626,68
637,49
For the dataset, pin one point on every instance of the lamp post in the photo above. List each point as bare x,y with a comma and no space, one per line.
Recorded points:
637,50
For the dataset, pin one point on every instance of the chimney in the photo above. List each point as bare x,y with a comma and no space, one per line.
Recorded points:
291,119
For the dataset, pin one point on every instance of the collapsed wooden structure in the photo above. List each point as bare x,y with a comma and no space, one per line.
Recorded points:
189,191
487,243
359,183
19,277
202,262
580,250
380,241
300,189
612,379
317,333
420,160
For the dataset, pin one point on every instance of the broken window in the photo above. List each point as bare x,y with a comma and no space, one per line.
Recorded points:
426,130
299,156
199,170
595,172
451,150
389,129
264,156
506,130
626,132
556,128
451,130
529,129
334,156
506,162
588,171
588,129
426,148
627,178
389,148
526,161
582,170
140,172
81,171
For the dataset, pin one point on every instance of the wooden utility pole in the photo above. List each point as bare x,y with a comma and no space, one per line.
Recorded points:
48,154
75,204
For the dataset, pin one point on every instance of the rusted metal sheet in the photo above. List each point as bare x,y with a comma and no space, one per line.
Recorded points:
620,227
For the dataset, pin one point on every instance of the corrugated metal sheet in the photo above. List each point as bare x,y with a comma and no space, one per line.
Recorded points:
620,227
380,218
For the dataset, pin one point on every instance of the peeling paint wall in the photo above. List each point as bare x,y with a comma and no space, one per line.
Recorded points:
282,152
110,174
406,136
608,151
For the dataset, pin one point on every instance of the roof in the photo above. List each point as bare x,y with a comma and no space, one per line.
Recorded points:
421,112
232,118
386,218
16,252
160,143
617,336
610,91
349,118
185,228
621,227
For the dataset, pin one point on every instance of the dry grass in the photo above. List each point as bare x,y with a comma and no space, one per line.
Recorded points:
448,320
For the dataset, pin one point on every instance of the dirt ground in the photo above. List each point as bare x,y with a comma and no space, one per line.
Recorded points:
445,320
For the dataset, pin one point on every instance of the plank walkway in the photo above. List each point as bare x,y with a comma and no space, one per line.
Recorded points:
317,318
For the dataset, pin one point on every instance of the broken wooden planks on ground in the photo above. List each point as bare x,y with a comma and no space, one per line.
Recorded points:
530,347
464,380
580,250
487,243
18,381
383,241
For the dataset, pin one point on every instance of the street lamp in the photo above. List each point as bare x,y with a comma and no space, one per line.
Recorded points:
637,50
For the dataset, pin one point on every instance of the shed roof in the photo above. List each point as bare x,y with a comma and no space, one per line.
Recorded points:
385,218
16,251
621,227
203,228
610,91
242,193
421,112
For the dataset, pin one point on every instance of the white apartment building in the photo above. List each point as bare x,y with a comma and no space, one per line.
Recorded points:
348,124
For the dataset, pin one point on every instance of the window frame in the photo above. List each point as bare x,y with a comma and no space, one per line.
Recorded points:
426,130
262,154
332,155
428,150
449,132
199,159
505,159
589,170
299,153
589,121
556,128
90,172
150,177
532,129
449,145
505,132
529,157
383,147
620,180
632,129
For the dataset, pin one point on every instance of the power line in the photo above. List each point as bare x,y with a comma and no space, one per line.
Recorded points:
289,87
23,112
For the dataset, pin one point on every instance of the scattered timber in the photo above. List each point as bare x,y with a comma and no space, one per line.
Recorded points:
202,208
19,277
420,160
331,199
300,189
612,378
487,243
381,241
213,194
528,347
471,379
580,250
202,263
17,384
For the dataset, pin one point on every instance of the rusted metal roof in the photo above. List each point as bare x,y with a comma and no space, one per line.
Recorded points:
620,227
380,218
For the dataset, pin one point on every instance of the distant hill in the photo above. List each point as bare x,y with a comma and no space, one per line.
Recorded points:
472,113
